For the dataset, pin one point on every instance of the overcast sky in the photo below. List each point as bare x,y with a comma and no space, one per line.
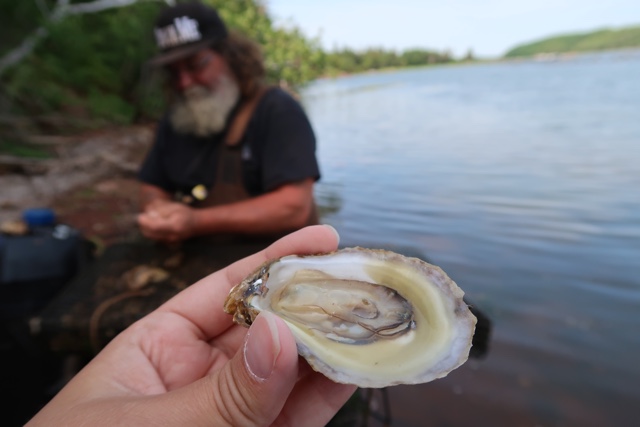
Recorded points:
489,27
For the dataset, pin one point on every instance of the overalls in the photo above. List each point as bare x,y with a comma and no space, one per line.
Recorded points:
228,186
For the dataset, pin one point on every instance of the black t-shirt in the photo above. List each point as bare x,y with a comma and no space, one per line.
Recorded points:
278,147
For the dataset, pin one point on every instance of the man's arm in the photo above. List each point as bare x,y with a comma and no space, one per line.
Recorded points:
284,209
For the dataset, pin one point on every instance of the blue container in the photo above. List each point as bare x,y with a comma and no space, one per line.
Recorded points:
39,217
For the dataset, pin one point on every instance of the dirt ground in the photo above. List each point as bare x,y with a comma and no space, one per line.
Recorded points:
90,185
103,211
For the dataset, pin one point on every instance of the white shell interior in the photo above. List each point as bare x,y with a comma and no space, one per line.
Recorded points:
439,343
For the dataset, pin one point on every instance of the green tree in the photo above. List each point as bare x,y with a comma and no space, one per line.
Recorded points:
86,72
582,42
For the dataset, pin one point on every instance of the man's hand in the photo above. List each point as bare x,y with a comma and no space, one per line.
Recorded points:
282,210
167,221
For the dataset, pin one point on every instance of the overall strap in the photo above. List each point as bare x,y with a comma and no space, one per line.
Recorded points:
239,125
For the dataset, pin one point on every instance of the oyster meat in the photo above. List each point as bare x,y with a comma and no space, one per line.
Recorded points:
368,317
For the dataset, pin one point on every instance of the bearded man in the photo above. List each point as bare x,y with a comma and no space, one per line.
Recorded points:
231,156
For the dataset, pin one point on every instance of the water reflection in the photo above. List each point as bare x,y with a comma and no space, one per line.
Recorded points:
328,199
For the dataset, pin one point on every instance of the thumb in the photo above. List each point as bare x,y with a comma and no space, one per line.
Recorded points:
252,388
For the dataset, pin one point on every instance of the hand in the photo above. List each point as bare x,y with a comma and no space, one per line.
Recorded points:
167,221
187,364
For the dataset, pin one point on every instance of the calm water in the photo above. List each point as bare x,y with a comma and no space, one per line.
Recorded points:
522,181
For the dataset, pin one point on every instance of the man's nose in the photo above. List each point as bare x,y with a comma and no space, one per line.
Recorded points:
183,79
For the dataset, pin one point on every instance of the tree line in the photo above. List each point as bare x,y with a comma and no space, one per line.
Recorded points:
74,65
604,39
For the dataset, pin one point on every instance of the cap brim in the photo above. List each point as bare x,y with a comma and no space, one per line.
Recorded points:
178,53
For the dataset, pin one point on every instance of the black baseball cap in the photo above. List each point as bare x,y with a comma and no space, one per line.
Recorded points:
184,29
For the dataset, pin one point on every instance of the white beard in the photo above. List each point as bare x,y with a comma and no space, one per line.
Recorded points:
203,112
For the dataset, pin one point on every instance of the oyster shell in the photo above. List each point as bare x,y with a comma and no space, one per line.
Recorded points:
368,317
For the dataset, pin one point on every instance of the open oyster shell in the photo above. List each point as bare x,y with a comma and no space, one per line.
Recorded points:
372,318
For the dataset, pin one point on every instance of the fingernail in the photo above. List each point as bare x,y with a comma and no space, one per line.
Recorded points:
262,346
334,231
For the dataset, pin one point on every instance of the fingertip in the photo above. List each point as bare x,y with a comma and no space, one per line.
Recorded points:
143,221
313,239
334,231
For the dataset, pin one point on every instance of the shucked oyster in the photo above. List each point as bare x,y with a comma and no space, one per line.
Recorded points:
372,318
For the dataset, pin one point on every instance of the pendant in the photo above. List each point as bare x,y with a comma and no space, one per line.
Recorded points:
199,192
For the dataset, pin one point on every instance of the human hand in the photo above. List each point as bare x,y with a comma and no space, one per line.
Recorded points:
187,364
167,221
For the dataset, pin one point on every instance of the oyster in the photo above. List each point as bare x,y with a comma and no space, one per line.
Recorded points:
368,317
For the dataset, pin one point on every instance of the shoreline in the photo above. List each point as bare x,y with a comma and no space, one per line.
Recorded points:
91,185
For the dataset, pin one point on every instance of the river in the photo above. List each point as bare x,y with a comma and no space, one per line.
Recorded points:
522,181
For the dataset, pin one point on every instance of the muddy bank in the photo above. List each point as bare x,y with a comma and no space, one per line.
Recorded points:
90,183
